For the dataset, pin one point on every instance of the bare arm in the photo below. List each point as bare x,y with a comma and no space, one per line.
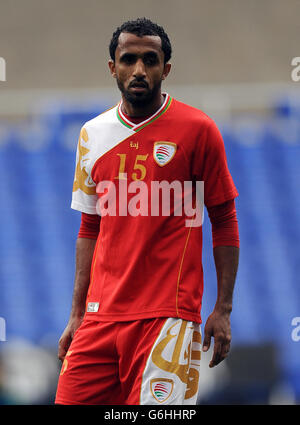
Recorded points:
218,323
84,255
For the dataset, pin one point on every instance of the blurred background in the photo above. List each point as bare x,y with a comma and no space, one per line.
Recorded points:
233,59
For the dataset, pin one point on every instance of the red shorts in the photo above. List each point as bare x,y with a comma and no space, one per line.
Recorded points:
150,361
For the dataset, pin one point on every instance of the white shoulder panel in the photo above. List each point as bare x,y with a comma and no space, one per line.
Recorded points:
97,137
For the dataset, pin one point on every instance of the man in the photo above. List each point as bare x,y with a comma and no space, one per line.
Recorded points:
134,335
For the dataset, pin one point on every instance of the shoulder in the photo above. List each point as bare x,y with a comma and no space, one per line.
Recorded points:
192,115
107,117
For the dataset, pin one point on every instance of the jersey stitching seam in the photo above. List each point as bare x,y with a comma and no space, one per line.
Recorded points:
181,264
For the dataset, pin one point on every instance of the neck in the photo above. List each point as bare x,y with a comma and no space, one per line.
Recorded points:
136,111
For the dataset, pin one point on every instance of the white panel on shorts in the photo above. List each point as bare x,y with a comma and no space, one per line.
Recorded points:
171,375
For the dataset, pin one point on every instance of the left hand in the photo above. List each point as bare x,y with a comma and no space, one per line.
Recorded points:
218,326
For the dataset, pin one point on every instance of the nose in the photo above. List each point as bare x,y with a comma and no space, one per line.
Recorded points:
139,70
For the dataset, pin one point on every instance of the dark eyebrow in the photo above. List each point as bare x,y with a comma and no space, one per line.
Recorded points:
151,53
132,56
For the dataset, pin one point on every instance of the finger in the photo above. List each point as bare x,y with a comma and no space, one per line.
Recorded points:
226,340
207,338
61,354
206,341
225,351
63,348
217,354
221,351
62,351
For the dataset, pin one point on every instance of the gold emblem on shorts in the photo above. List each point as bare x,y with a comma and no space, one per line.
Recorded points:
185,372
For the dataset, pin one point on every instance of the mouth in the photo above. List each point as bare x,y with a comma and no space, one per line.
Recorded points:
138,86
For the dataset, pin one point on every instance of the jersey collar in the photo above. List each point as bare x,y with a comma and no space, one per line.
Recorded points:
137,127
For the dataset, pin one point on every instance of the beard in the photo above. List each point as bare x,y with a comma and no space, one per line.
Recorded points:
139,99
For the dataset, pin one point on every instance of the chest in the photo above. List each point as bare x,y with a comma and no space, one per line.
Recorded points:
146,158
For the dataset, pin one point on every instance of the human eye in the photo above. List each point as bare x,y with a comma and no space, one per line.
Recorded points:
150,59
128,59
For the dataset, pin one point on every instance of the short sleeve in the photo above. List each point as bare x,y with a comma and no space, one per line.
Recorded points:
213,170
84,197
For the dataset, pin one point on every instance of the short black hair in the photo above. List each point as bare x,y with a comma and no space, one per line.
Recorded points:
141,27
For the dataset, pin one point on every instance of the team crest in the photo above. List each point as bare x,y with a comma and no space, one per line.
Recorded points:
163,152
161,388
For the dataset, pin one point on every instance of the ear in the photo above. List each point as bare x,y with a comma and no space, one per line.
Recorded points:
112,67
167,69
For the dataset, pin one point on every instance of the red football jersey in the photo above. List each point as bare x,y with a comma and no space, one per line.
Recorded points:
147,263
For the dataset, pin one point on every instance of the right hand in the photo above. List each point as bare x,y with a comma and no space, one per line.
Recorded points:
67,337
